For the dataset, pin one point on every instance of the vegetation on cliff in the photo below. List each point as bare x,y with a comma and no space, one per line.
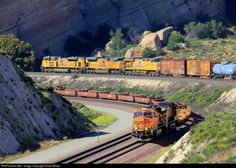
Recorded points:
18,51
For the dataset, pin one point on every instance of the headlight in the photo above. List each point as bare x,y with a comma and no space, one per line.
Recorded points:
135,128
146,128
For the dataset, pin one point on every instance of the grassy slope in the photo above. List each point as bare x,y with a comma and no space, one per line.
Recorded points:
222,49
101,119
214,140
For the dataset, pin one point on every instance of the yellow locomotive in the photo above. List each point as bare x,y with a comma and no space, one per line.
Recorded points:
147,66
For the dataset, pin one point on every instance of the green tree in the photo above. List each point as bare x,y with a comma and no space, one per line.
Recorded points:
148,53
18,51
211,29
174,40
175,37
119,45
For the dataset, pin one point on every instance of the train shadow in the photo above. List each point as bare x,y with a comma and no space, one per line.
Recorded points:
94,134
173,136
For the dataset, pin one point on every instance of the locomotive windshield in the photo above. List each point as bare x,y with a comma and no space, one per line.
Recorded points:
149,115
137,114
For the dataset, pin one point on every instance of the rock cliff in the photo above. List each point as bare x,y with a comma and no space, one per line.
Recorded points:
47,23
26,117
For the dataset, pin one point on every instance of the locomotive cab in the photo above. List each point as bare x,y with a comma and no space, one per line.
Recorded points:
144,123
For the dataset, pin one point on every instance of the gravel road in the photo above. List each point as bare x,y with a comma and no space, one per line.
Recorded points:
123,124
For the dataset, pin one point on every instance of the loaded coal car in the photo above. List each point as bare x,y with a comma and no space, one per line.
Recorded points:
150,121
224,70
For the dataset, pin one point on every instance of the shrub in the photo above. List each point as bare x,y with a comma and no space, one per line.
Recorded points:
211,29
18,51
151,53
175,37
173,47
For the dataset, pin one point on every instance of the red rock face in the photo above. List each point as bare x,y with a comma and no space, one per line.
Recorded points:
47,24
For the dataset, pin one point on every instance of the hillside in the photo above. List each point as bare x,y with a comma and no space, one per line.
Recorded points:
47,24
222,49
28,115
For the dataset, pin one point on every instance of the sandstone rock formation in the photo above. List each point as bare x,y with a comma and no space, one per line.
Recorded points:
26,116
151,41
47,24
134,52
108,46
164,34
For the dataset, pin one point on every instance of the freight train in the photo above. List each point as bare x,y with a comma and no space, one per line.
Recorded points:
141,66
150,121
127,97
157,117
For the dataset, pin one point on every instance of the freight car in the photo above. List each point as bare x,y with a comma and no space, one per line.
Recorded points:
173,67
150,121
201,68
224,70
66,92
145,66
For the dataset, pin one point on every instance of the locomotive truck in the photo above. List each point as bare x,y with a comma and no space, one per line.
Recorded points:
150,121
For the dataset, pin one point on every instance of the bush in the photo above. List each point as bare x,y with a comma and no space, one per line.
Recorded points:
175,37
173,47
212,29
18,51
151,53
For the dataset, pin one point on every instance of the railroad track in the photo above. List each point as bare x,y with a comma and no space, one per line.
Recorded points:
181,79
105,152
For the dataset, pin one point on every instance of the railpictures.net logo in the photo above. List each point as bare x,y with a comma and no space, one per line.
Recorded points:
28,166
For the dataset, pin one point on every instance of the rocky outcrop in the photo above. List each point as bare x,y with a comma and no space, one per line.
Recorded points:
164,35
157,39
151,41
26,116
47,23
134,52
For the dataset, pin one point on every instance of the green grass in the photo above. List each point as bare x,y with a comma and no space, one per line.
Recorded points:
195,96
105,120
222,49
133,90
101,119
213,136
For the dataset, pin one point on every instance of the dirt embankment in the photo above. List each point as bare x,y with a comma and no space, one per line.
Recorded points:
28,115
203,96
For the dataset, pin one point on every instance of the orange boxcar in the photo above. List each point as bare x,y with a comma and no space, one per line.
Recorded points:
173,67
126,97
107,95
142,99
201,67
67,92
89,94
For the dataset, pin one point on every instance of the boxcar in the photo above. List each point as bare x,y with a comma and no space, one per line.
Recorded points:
200,68
173,67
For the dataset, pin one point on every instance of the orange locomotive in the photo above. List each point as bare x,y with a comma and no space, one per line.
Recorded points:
149,121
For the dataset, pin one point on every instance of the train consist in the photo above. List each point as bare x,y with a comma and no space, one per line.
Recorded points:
150,121
147,122
127,97
145,66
